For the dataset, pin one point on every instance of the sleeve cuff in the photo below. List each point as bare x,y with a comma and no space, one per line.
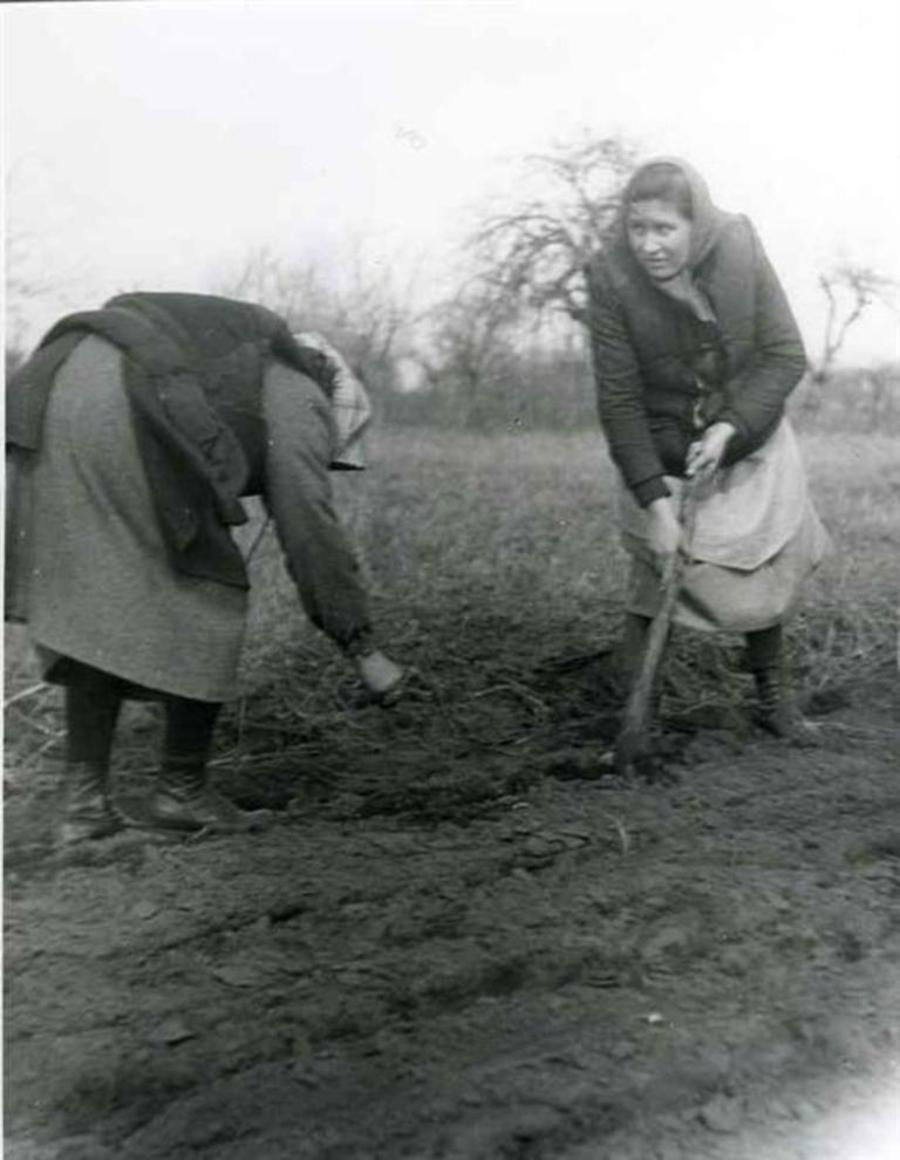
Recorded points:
648,490
736,421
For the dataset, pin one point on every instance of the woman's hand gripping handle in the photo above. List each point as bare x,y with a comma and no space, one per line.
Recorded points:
705,454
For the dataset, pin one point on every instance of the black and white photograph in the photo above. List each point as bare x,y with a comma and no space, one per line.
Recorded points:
451,662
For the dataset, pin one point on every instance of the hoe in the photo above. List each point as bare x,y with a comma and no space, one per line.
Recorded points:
634,749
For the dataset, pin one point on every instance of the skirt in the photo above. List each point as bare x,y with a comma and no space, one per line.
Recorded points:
87,566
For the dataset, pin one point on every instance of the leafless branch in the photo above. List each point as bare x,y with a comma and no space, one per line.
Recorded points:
534,252
850,290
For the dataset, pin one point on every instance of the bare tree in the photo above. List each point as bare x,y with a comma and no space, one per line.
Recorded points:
23,288
850,290
470,347
43,273
526,262
358,308
534,253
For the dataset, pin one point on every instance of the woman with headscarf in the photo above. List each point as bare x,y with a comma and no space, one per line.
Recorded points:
133,432
695,353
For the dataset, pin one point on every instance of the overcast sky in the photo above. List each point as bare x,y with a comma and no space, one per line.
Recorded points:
155,144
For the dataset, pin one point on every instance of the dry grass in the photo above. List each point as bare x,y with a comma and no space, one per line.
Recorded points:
496,572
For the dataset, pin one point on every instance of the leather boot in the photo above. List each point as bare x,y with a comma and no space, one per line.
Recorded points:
775,710
88,813
184,800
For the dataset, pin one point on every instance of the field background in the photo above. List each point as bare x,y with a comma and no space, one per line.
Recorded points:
463,938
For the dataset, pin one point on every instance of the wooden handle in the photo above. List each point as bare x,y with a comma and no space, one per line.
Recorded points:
633,737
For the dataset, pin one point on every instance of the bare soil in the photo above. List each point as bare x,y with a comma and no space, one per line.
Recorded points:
489,950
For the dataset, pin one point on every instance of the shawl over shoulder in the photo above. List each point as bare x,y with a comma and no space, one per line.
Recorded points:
193,367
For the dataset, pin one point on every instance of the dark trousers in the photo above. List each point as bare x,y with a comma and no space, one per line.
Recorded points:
763,646
93,701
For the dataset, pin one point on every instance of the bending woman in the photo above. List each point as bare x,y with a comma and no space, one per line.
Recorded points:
695,352
134,431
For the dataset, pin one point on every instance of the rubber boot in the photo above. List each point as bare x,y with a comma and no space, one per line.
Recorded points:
184,800
776,712
88,813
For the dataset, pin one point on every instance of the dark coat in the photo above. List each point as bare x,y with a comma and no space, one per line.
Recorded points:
193,367
646,346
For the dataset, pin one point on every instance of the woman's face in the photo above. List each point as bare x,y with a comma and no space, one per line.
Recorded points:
659,236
